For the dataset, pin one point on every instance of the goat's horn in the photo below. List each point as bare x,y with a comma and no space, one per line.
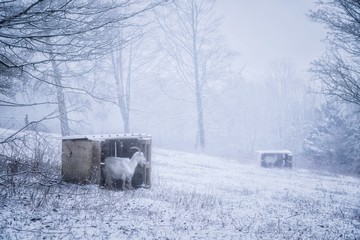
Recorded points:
136,148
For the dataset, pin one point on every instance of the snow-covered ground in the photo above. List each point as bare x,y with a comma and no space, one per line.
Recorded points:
193,196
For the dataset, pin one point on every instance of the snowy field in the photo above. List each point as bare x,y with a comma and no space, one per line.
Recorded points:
193,196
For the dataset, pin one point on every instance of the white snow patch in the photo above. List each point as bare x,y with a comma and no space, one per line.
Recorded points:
192,196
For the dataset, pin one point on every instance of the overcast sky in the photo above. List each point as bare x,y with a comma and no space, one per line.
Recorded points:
264,30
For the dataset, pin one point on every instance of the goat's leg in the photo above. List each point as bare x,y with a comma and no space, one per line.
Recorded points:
107,182
130,186
123,184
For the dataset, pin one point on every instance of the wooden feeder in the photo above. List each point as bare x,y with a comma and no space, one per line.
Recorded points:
83,157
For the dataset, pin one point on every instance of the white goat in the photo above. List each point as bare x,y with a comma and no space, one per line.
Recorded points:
123,168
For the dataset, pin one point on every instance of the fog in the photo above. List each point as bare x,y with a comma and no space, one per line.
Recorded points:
262,31
252,81
252,108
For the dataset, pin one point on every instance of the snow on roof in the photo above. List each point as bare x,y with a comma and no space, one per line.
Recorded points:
108,136
274,151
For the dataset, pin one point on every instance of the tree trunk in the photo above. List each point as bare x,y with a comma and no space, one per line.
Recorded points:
64,121
123,97
201,129
198,87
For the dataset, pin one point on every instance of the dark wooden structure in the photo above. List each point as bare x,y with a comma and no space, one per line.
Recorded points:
83,157
275,158
80,160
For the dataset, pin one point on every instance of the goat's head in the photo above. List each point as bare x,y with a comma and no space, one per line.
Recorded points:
139,156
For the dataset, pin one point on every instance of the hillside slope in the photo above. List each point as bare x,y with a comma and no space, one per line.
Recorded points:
193,196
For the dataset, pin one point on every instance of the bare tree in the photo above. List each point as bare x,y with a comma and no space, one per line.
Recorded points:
122,85
338,69
73,27
193,50
34,34
128,64
124,63
63,116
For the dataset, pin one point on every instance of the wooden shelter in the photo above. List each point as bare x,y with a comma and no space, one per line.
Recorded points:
83,157
275,158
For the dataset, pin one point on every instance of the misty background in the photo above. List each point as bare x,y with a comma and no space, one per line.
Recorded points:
226,78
